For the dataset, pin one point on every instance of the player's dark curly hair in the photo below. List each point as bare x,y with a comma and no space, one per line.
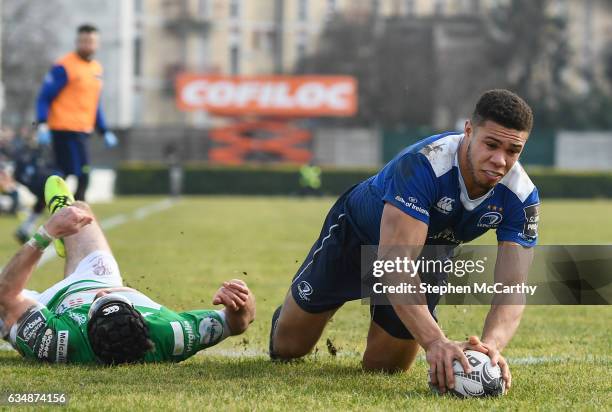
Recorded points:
504,108
121,336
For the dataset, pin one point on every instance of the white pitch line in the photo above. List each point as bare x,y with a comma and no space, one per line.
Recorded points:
528,360
252,353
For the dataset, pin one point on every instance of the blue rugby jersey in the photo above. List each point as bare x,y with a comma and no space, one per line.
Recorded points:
424,181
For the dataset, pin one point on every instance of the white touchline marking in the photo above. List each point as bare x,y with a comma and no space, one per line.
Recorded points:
252,353
528,360
115,221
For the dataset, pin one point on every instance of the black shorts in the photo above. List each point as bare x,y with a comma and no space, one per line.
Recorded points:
70,150
331,273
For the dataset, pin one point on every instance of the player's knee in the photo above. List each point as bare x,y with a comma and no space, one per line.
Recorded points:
287,349
377,364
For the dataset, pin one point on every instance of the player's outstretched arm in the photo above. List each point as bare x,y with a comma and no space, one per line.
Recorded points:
17,272
403,236
504,317
12,282
239,304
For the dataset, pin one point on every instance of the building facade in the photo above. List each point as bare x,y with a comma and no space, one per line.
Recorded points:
145,43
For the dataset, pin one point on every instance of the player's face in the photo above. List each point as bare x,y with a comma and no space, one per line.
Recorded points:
492,151
87,44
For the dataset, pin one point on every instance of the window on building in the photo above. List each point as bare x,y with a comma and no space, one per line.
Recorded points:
138,56
409,7
256,43
301,51
235,60
375,7
204,8
234,9
331,6
302,10
439,6
138,6
475,6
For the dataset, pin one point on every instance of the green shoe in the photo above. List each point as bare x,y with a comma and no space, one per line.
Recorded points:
57,196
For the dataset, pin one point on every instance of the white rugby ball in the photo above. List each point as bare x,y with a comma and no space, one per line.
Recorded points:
484,379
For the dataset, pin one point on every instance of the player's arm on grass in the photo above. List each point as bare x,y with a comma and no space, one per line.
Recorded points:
13,278
239,304
15,275
511,268
402,233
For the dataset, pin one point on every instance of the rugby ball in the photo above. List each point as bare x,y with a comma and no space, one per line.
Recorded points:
484,379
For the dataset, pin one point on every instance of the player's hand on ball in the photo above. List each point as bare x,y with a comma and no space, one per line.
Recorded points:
490,349
68,221
233,294
498,359
474,343
440,355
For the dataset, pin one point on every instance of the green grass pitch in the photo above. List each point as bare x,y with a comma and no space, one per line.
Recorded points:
179,256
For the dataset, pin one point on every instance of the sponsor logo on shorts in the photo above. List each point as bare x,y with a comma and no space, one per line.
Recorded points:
304,290
490,220
100,268
210,331
62,346
445,205
31,327
412,205
532,218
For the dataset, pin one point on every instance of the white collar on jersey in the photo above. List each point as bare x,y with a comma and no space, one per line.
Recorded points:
468,204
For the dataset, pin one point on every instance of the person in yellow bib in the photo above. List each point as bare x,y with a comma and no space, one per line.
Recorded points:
69,108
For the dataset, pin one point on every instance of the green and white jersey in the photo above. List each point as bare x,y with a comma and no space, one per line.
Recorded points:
57,332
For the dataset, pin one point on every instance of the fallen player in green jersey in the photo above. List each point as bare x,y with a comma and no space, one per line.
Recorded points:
89,316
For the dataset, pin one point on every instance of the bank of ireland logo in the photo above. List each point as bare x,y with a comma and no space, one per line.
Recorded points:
304,290
445,205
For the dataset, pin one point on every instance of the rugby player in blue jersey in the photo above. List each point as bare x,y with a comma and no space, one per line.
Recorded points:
444,190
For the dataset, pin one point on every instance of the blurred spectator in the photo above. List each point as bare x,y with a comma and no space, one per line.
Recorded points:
69,107
32,169
310,180
8,189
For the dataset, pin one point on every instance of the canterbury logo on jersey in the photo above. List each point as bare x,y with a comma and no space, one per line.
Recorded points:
445,205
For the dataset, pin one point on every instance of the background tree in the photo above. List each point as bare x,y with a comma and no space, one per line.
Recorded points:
428,71
28,42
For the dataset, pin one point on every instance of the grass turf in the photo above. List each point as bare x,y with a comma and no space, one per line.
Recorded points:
179,256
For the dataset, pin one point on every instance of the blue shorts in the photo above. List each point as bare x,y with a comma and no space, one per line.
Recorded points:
70,150
331,273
